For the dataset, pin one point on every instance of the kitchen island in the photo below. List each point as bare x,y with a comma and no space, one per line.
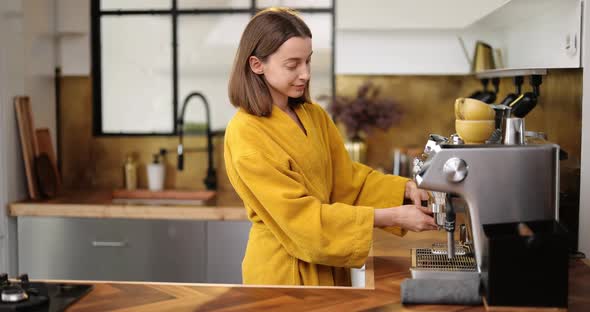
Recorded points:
387,267
390,261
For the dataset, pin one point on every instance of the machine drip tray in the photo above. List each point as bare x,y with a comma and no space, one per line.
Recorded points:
435,265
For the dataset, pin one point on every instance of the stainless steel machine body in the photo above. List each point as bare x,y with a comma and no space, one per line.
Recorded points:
499,183
439,202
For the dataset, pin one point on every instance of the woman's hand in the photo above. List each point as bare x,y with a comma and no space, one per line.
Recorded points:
415,194
414,218
410,217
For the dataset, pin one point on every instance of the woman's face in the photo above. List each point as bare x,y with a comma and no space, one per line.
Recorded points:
287,71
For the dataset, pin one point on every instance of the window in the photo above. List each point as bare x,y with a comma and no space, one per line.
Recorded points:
149,54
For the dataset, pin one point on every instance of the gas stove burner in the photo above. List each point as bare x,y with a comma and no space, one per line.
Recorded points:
14,293
24,295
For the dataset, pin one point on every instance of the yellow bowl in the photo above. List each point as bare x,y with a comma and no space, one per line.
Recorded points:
474,131
472,109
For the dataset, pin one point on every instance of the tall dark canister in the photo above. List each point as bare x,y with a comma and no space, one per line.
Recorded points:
527,264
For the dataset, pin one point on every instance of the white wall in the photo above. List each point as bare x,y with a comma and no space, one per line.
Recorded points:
73,31
39,60
584,220
11,83
27,61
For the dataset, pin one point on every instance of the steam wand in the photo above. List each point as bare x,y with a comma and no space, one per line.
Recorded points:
450,227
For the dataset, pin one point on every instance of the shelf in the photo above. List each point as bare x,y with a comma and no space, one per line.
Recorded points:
510,72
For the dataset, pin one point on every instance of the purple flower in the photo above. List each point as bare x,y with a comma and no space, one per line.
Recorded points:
365,111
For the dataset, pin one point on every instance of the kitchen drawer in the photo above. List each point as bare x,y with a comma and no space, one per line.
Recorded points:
112,249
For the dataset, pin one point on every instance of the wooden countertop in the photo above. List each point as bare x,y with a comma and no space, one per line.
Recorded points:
391,263
99,204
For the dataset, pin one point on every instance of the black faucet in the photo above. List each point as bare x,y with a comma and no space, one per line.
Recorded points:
211,179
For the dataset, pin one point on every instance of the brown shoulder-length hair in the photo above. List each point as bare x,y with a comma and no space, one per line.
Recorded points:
263,35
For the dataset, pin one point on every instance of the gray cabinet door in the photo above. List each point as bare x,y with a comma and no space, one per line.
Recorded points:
112,249
226,245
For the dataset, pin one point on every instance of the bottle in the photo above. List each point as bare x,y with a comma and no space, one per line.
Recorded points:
155,173
130,170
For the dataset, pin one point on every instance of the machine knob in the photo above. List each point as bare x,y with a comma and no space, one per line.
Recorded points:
455,169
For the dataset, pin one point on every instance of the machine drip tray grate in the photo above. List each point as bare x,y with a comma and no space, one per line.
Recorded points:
425,259
441,249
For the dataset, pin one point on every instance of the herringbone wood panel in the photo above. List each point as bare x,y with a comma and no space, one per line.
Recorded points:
390,261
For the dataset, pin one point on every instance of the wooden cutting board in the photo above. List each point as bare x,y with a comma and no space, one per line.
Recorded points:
165,194
45,146
28,141
46,176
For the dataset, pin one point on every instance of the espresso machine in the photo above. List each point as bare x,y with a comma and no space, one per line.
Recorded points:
492,184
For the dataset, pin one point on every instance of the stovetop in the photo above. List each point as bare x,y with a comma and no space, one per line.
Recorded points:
23,295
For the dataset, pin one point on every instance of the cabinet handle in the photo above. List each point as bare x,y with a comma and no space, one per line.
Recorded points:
109,244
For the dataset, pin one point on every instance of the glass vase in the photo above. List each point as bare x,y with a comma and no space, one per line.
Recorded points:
357,149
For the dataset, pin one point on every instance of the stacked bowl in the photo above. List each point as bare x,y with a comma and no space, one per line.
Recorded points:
474,121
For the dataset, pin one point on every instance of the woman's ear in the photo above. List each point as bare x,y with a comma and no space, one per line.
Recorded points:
256,65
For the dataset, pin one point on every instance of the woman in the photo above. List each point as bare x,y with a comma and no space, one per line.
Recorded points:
312,209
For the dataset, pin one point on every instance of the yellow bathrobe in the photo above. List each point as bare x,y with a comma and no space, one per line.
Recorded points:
311,207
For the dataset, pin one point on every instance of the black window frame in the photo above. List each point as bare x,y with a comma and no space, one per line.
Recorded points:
96,13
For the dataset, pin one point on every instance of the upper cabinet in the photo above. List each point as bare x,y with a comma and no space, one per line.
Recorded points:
431,37
416,14
533,33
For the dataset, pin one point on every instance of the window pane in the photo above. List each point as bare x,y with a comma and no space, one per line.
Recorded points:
320,25
207,46
135,4
215,4
136,74
295,3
